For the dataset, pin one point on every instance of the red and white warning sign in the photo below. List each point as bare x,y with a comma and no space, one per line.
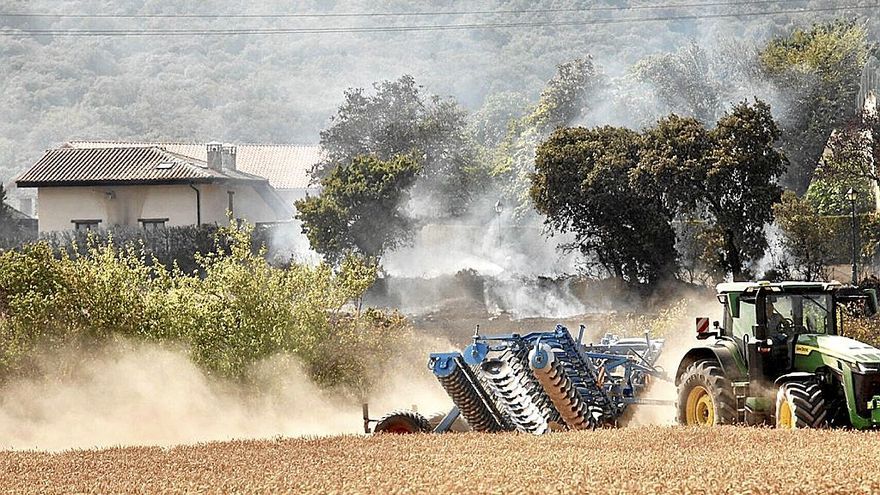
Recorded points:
702,325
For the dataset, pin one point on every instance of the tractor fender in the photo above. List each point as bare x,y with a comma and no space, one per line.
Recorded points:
720,353
796,376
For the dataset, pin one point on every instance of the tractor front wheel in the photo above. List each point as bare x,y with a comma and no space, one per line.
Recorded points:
402,422
800,405
705,396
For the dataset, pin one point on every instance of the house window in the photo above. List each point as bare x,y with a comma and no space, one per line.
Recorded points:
153,223
85,224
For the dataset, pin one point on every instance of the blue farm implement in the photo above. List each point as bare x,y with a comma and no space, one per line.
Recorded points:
536,382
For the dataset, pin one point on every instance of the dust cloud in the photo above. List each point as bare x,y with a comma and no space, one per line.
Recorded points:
134,393
680,337
143,394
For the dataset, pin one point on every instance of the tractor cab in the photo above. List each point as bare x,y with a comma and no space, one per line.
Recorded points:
783,341
766,320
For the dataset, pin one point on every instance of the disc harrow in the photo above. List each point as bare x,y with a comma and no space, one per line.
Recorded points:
543,381
576,412
516,401
467,393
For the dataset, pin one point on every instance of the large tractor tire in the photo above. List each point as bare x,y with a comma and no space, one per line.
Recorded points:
402,422
800,405
705,396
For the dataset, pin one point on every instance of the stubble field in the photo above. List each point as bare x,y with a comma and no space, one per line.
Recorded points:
647,459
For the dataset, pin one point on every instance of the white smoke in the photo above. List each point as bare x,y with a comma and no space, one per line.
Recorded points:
511,255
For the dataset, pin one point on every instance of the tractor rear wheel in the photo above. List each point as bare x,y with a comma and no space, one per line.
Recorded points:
800,405
402,422
705,396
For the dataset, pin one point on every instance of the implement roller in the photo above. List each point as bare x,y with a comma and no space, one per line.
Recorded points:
536,383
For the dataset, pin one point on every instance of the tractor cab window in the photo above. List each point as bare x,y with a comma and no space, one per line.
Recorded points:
743,324
798,313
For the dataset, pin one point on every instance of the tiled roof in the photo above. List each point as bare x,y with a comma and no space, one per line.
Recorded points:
286,166
143,165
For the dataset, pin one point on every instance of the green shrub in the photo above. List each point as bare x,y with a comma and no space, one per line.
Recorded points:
167,246
234,311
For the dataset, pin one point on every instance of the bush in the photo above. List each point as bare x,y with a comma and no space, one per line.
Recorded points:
168,246
235,311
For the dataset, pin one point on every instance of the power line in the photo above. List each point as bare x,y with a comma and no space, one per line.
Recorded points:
402,14
416,28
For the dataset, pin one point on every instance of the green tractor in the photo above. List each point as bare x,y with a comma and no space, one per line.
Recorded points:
778,357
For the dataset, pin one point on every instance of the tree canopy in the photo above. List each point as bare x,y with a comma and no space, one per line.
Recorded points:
399,119
359,208
818,68
619,190
806,238
565,98
683,81
742,170
582,185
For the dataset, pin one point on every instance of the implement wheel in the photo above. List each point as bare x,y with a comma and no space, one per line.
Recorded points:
800,405
705,396
458,426
402,422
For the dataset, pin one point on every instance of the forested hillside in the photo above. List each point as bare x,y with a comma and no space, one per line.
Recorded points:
284,87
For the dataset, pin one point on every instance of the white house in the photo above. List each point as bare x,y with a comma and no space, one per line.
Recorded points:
286,166
148,185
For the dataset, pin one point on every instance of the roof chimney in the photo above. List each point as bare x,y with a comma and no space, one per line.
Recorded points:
215,160
227,154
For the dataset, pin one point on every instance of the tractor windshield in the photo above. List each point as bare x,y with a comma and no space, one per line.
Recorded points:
799,313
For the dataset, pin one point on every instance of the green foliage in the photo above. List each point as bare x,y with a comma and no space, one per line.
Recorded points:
849,162
491,123
242,311
832,235
564,98
672,163
807,239
821,66
582,185
829,195
740,183
172,247
358,209
619,190
682,81
726,175
398,119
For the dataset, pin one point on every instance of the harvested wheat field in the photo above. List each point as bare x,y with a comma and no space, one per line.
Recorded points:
635,460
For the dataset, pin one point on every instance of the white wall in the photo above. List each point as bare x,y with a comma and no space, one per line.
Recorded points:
125,205
57,206
247,204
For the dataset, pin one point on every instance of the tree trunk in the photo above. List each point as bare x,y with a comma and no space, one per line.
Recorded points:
734,261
